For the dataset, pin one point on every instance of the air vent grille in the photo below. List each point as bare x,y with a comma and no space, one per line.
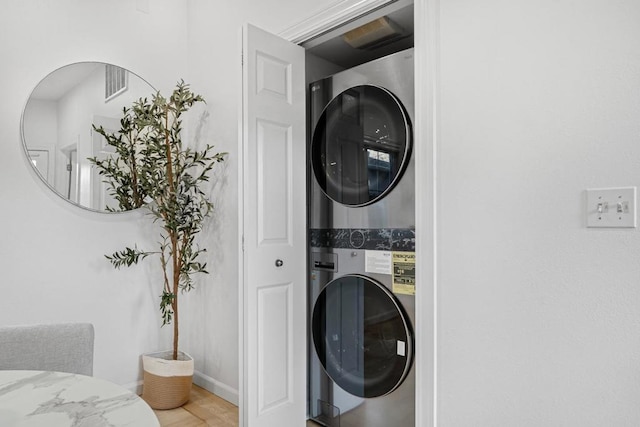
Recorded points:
115,81
374,34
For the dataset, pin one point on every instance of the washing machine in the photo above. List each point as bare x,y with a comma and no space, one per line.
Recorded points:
361,246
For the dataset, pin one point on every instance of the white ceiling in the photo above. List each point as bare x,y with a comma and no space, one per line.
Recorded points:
60,81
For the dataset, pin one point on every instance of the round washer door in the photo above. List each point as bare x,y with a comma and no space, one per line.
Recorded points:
362,336
361,145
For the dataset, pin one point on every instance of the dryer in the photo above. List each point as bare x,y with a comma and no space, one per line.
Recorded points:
361,241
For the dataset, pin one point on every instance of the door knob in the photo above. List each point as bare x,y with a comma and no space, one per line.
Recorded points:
279,263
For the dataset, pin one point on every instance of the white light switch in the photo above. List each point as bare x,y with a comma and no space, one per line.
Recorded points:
611,207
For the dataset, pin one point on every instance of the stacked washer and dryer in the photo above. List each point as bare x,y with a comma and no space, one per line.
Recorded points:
361,241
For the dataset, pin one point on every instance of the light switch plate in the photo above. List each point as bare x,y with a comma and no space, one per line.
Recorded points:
611,207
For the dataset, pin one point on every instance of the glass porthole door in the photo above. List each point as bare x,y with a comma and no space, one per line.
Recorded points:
361,145
362,336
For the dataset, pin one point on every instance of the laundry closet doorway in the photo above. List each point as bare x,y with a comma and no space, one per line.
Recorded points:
273,267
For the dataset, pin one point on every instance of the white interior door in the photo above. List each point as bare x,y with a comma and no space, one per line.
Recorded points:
273,386
100,197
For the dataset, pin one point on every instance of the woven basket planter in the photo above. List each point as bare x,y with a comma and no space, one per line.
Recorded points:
166,382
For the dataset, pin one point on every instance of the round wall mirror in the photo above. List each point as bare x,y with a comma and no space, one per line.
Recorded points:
57,131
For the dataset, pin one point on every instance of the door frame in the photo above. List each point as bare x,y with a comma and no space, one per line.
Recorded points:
426,130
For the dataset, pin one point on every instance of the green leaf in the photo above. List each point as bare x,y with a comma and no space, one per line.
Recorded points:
127,257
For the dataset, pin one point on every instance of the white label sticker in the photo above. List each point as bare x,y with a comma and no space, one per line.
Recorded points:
378,262
401,348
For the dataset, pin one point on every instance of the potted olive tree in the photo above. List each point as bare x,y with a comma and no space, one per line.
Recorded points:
153,169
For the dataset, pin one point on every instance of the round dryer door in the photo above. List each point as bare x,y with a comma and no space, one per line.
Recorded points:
361,145
362,336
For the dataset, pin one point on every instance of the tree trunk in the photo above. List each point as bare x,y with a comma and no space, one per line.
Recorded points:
175,324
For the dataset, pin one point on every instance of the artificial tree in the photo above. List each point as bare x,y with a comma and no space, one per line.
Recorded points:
154,170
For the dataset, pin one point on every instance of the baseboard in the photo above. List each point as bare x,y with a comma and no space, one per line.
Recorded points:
216,387
201,380
134,387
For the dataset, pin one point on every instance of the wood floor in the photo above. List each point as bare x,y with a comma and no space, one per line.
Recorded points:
203,409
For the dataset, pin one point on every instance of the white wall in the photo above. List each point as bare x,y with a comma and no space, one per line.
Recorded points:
214,72
44,135
539,317
51,252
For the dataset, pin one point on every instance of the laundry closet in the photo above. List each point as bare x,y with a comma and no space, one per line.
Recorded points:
361,221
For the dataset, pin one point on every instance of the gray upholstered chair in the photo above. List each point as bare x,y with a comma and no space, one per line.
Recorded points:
64,347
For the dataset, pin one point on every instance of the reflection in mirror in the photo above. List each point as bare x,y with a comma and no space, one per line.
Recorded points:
57,128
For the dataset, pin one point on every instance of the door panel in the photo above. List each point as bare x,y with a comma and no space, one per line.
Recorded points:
274,225
274,346
275,187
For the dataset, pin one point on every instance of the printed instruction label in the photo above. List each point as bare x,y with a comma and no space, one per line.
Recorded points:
404,273
378,262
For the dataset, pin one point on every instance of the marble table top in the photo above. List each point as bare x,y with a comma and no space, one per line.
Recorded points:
55,399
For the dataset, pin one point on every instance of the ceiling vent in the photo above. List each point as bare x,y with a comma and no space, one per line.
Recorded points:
115,81
374,34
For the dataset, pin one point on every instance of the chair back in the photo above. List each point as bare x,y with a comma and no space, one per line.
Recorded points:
63,347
